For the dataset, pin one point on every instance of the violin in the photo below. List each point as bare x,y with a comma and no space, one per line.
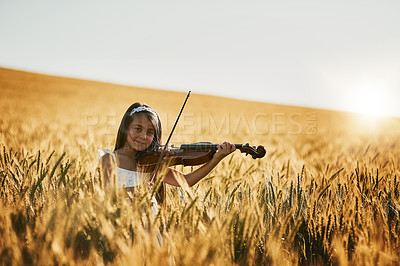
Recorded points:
190,154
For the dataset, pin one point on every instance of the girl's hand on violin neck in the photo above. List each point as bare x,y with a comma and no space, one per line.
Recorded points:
224,149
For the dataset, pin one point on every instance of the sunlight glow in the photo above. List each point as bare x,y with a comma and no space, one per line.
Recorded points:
370,100
370,104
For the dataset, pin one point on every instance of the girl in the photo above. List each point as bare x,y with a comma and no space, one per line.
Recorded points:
140,130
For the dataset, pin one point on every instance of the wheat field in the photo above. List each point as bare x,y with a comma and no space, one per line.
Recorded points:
327,191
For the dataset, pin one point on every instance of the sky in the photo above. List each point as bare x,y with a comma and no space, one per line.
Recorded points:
340,55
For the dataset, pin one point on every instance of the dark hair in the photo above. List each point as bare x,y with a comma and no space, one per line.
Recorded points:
126,121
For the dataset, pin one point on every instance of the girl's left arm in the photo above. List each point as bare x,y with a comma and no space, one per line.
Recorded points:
195,176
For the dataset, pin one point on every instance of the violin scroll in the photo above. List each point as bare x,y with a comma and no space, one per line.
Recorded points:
255,152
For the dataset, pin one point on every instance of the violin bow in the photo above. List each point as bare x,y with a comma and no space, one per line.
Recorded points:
163,152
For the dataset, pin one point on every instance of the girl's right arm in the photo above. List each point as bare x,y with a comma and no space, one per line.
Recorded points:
106,166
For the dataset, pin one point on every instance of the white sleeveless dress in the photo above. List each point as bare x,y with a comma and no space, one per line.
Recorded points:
127,178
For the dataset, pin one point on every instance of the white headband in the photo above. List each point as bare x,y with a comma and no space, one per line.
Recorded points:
142,108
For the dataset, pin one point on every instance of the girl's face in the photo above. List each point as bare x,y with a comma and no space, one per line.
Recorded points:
140,132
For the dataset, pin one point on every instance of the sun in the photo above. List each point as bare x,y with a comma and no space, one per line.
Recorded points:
369,101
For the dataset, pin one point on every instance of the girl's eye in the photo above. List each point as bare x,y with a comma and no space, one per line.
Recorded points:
150,133
138,129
